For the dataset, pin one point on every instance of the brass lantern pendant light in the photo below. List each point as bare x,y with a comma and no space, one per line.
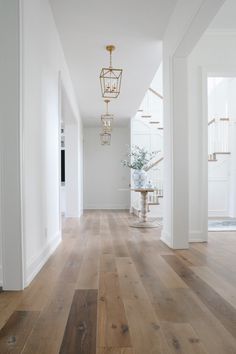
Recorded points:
105,138
110,78
107,119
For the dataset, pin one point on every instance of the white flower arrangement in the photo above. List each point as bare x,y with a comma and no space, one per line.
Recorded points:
139,158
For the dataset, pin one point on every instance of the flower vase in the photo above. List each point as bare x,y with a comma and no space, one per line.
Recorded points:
139,178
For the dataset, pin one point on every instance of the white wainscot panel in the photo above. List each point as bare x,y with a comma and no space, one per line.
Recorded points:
218,200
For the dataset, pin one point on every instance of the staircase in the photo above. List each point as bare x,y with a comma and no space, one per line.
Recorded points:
218,138
218,145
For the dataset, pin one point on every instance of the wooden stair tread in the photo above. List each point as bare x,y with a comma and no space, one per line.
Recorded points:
222,153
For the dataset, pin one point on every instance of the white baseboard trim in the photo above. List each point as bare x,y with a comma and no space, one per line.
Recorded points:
72,215
107,207
197,236
1,276
38,262
196,240
165,238
218,213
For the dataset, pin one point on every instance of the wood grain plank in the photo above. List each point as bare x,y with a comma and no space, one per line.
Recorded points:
214,264
144,327
70,272
48,332
89,270
15,332
166,274
221,309
131,284
9,302
222,287
119,244
190,258
80,332
107,263
222,262
161,297
113,329
182,339
211,331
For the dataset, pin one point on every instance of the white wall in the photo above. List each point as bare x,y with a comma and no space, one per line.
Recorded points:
43,59
103,173
10,145
215,54
219,187
218,97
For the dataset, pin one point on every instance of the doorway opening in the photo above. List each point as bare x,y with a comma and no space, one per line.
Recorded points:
69,160
63,172
221,154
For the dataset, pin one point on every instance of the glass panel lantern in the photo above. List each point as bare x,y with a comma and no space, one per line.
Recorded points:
105,138
110,78
107,120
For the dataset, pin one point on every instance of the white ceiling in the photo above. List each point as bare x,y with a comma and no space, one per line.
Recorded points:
136,27
226,17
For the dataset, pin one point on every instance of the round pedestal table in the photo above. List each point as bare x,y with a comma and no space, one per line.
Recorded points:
143,221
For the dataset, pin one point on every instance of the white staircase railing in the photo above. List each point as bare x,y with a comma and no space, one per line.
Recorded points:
218,138
218,135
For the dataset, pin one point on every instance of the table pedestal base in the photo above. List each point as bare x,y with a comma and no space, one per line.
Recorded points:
143,222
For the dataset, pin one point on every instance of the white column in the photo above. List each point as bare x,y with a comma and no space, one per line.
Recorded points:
187,24
176,201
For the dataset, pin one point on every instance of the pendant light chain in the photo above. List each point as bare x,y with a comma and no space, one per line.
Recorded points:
107,101
110,59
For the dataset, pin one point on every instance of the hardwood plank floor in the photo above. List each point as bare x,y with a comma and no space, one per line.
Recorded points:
14,334
80,333
112,289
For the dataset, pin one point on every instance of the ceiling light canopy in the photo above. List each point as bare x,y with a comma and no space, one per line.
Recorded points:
110,78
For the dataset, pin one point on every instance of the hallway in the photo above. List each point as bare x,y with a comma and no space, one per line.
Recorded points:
120,290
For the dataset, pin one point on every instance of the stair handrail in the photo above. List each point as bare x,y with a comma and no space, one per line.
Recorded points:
156,93
153,164
218,136
214,120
